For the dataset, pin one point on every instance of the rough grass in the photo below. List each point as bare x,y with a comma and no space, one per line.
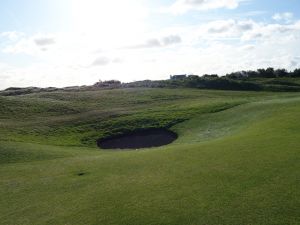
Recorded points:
236,160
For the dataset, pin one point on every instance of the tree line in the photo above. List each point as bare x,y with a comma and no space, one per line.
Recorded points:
264,73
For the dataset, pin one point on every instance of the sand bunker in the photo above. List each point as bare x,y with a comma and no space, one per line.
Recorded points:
139,139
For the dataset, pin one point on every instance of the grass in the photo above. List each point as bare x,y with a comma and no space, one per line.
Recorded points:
236,160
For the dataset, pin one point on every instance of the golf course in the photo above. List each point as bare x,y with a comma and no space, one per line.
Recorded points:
235,159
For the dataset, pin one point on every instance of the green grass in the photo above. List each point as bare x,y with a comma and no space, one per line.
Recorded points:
236,161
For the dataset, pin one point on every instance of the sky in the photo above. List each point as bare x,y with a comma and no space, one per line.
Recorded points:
78,42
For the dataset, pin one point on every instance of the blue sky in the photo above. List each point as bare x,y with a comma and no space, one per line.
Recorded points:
33,15
75,42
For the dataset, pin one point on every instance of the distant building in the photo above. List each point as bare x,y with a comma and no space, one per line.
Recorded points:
178,77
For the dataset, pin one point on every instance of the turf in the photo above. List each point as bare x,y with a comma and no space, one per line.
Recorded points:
236,160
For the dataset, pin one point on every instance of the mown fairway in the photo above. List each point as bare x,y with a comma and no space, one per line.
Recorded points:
236,161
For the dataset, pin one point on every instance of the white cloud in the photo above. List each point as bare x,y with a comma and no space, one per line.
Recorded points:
154,42
221,26
150,43
273,31
247,47
101,61
224,30
171,39
245,25
242,31
183,6
12,35
30,45
285,17
44,41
